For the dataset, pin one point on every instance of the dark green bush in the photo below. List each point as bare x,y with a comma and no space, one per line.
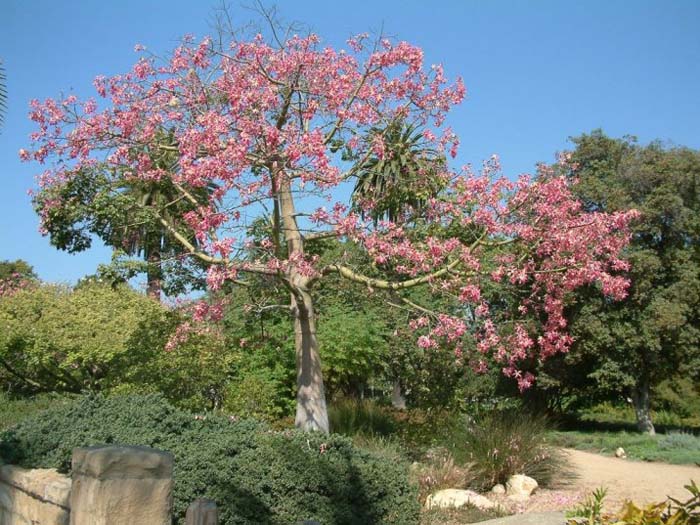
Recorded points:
256,475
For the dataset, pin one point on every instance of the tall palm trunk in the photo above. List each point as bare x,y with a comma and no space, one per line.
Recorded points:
154,271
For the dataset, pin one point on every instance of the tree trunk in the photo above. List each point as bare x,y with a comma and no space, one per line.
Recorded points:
640,401
398,401
312,413
154,274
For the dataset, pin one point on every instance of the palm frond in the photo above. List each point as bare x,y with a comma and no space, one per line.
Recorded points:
401,180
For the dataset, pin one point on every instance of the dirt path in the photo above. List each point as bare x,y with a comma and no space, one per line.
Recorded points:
642,482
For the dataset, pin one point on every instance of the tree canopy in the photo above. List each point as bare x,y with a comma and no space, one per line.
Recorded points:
630,346
271,124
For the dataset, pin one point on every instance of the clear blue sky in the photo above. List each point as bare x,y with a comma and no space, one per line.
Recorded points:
536,73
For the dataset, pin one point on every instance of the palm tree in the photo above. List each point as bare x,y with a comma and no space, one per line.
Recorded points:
398,185
140,231
401,180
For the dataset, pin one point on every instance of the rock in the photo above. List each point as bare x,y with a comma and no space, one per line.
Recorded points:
520,486
33,496
455,498
620,453
498,489
121,486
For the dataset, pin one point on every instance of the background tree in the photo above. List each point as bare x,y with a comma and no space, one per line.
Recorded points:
124,212
629,347
15,275
263,123
100,338
17,269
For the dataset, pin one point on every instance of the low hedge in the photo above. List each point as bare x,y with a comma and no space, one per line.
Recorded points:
255,474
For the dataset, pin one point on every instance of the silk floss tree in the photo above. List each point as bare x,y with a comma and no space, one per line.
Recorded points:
281,131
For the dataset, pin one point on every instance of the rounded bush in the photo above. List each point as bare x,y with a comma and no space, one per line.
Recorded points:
255,474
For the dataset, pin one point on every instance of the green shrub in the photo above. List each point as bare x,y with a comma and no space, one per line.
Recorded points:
255,395
256,475
422,430
99,338
680,396
679,440
351,417
505,443
13,410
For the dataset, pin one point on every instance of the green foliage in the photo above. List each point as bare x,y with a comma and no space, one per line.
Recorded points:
421,431
100,338
402,179
56,339
255,395
351,417
590,511
262,378
126,213
607,414
16,409
680,396
670,512
679,440
16,268
505,443
353,348
254,474
629,347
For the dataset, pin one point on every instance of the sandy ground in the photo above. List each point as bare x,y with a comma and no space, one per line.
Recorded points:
642,482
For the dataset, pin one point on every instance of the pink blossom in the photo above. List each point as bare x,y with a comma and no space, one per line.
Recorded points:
232,130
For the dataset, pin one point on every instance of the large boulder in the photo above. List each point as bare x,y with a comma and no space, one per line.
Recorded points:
455,498
520,486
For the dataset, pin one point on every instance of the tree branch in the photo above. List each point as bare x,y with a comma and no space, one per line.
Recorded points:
384,284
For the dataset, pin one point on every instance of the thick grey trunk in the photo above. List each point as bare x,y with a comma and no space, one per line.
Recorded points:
312,413
642,408
397,399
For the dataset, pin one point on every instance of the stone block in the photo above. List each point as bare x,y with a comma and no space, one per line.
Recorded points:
121,486
30,497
